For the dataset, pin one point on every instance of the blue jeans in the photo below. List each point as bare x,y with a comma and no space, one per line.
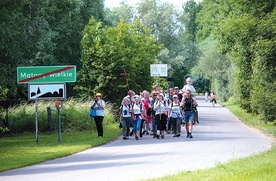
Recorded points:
189,116
137,125
153,123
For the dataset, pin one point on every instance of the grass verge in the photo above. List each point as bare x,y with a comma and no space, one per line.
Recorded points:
21,150
255,167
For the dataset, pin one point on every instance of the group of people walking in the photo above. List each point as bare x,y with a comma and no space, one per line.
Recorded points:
156,112
153,113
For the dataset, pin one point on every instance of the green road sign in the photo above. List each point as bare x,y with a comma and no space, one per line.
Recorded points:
46,74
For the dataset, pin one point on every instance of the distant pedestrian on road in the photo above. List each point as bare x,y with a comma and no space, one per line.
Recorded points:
99,105
188,103
213,99
206,96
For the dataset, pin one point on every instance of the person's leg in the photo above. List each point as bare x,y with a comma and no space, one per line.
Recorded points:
173,122
178,126
101,126
186,119
163,125
138,126
153,123
124,124
131,126
135,126
142,127
158,123
191,119
128,122
97,124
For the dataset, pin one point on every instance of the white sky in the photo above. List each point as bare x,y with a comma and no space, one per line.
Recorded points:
116,3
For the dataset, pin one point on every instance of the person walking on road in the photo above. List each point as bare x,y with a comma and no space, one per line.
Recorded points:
206,96
161,108
153,121
213,99
188,103
139,113
174,114
99,105
146,102
188,86
126,121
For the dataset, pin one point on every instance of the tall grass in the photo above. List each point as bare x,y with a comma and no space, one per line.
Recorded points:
74,116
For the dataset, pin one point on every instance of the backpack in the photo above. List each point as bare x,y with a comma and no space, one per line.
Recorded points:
192,106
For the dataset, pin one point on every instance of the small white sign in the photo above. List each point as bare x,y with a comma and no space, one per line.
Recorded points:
47,91
159,70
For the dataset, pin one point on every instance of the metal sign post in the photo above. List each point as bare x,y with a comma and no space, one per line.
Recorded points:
36,122
58,105
39,79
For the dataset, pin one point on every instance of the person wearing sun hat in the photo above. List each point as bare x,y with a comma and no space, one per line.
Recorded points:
99,105
161,108
174,115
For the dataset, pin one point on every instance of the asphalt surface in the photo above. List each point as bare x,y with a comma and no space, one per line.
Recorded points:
218,138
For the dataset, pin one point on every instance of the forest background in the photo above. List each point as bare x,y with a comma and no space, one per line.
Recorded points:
227,46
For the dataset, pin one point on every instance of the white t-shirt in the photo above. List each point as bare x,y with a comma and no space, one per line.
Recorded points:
163,107
125,111
137,109
175,110
189,87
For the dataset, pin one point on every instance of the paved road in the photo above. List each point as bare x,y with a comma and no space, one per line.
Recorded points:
218,138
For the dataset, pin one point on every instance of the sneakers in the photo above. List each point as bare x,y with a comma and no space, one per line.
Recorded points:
162,136
158,136
189,135
136,137
178,135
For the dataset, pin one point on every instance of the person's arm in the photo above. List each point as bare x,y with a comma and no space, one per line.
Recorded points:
169,110
101,104
144,112
195,103
156,105
93,104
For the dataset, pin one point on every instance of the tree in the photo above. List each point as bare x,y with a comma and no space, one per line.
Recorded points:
107,51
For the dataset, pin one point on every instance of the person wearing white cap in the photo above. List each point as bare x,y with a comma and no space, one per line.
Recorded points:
161,108
99,105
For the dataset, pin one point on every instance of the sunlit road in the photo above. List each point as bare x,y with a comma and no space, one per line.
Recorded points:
218,138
